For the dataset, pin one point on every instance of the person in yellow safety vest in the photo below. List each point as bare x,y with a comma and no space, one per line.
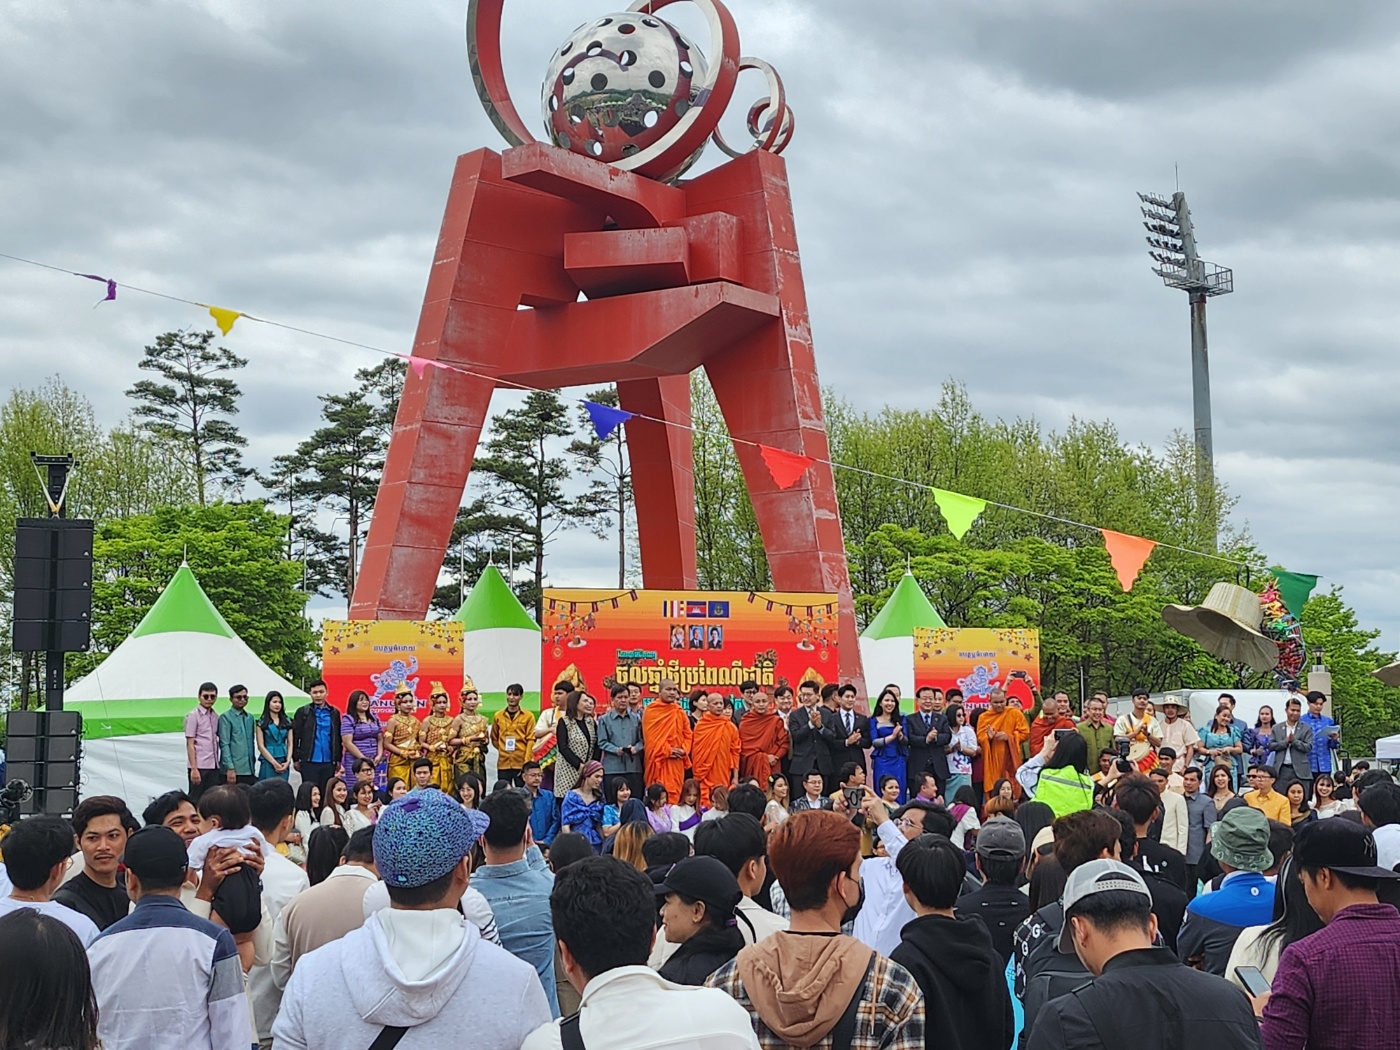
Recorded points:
1059,774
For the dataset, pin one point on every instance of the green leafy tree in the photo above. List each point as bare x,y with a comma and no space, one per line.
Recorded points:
194,405
334,476
237,551
728,546
527,475
1365,708
119,472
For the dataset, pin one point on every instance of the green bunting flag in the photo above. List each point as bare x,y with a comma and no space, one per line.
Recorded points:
958,511
1294,588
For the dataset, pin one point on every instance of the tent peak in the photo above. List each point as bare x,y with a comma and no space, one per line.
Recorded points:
492,603
908,608
183,606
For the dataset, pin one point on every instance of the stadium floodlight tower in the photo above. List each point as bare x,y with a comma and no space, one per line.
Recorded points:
1172,244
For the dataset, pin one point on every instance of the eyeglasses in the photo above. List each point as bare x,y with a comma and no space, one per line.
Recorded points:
905,822
209,696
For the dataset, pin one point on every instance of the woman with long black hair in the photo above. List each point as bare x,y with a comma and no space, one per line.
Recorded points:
273,735
48,1002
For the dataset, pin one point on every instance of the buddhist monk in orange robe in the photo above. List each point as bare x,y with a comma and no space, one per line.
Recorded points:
714,749
1000,733
763,740
666,740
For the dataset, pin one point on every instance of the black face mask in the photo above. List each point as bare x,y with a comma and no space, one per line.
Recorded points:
851,912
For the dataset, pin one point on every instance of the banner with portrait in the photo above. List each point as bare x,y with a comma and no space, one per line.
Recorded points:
716,639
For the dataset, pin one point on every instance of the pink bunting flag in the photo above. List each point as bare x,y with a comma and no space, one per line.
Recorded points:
1128,554
786,467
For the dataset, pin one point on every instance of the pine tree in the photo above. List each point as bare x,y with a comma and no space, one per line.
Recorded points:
192,408
610,481
526,480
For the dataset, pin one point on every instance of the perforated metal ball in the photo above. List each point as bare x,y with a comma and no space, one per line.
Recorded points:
618,84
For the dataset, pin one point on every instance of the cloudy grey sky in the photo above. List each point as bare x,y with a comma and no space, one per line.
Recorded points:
963,173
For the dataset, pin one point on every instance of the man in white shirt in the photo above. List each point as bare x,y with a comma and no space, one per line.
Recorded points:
602,912
1380,811
1178,733
739,842
885,911
272,804
165,979
1138,725
36,860
418,964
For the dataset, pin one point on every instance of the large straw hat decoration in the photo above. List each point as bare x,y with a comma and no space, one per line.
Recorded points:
1389,674
1227,625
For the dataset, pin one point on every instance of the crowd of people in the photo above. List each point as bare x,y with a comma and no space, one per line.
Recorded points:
717,872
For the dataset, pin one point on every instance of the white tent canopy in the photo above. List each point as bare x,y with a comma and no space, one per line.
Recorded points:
134,703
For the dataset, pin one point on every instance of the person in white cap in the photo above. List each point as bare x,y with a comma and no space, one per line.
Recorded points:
1142,997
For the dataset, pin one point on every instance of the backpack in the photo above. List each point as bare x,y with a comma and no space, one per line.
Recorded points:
1048,972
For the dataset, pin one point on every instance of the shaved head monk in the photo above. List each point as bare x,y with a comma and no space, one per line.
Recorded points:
714,749
763,739
666,739
1000,733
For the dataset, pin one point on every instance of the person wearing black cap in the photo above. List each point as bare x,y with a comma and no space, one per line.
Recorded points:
952,959
1336,988
1001,855
698,914
166,979
1141,997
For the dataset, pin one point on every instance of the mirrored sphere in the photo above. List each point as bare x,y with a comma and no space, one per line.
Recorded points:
618,84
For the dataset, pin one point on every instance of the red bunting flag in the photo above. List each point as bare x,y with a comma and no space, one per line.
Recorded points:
1128,554
786,467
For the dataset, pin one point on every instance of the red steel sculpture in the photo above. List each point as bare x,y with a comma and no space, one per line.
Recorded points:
584,260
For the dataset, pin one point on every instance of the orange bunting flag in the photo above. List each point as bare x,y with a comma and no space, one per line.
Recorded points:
1128,554
223,318
786,467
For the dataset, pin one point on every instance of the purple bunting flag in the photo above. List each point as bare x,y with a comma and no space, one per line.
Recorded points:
111,288
605,418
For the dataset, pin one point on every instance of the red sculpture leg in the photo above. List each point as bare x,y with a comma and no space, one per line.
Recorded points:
663,479
501,245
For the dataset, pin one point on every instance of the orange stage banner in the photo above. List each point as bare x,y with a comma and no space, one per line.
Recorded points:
378,655
699,638
976,659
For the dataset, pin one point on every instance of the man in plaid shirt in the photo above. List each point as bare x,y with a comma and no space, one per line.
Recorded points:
811,986
1336,988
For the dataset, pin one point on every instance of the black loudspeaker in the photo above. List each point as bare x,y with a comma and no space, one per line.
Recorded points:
42,749
53,585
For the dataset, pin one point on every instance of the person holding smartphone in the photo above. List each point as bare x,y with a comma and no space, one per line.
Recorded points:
1059,774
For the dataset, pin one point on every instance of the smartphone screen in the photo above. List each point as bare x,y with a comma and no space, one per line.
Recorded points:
1253,981
854,797
1060,734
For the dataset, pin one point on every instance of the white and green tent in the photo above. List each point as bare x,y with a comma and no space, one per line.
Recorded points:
500,643
134,704
887,645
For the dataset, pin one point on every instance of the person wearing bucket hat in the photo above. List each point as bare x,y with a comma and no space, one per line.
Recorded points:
1142,997
1240,843
419,964
698,913
1336,988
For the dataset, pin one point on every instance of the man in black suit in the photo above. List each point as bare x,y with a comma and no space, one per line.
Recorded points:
927,734
852,731
813,733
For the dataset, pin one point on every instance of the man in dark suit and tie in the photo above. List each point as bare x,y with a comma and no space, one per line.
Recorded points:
812,734
852,731
927,734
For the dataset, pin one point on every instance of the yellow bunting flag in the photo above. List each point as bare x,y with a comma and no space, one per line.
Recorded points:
958,511
224,318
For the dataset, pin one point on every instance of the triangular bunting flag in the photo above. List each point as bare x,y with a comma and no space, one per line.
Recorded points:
958,511
1294,588
1128,554
418,365
111,288
224,318
786,467
605,418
